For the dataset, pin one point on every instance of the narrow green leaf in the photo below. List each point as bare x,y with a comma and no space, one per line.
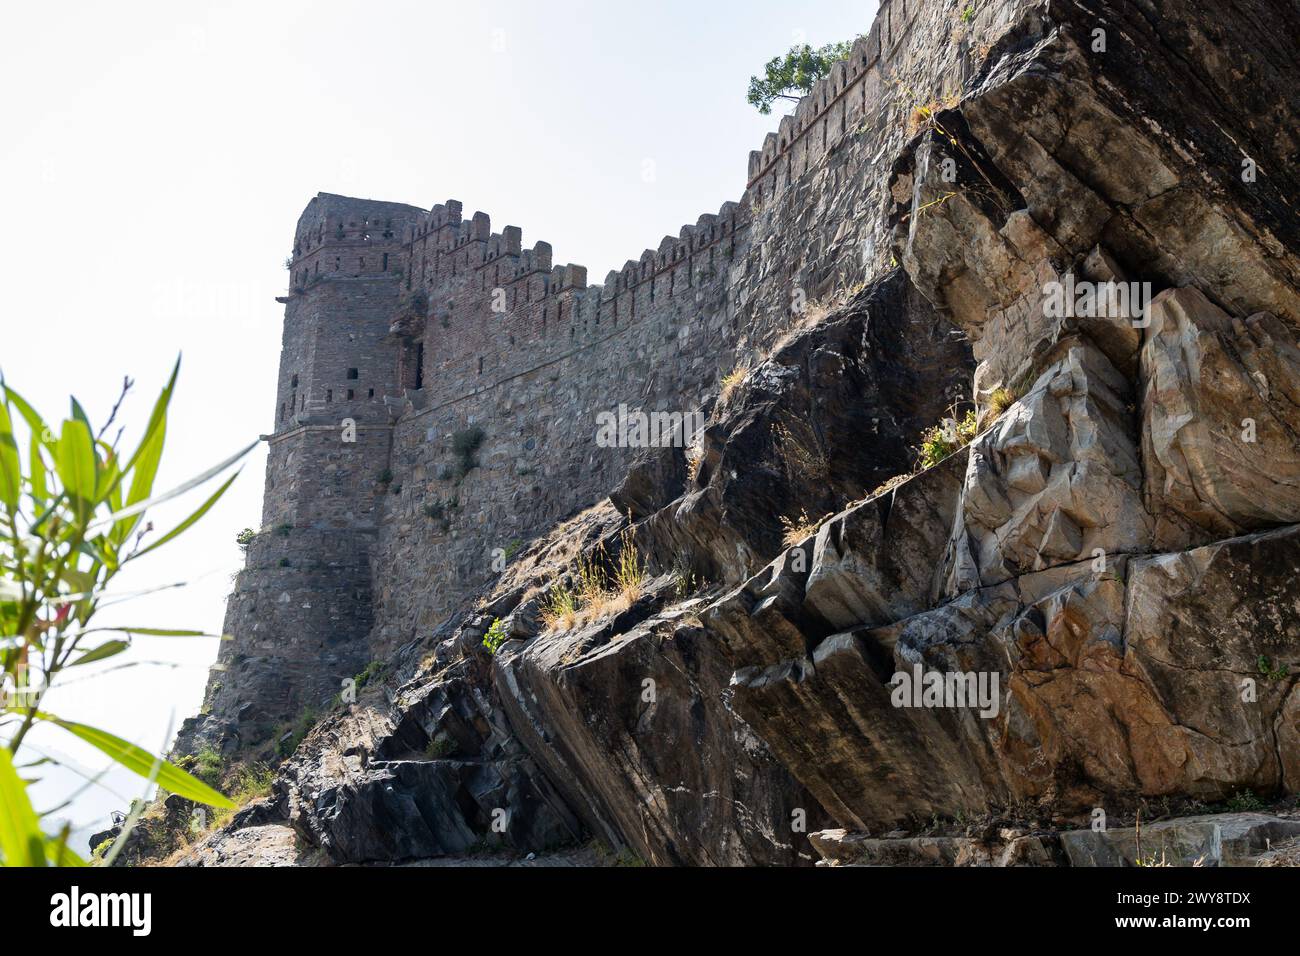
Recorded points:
10,470
21,839
146,464
139,761
199,513
157,417
146,460
79,413
106,650
212,472
35,423
76,461
40,487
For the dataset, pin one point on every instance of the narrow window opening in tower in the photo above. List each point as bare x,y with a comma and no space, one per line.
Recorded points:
352,374
350,395
370,393
293,382
329,395
419,366
480,365
385,262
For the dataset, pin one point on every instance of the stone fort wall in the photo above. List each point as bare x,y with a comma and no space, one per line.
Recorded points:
419,329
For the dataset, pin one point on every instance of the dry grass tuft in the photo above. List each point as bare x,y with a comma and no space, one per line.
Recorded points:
730,382
999,401
798,530
595,594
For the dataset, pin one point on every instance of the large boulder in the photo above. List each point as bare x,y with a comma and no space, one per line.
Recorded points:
630,719
1221,410
1056,480
1215,632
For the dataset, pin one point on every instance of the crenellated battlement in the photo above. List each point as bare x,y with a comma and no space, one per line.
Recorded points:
469,305
836,105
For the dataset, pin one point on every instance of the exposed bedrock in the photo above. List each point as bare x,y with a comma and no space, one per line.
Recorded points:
634,726
432,771
831,414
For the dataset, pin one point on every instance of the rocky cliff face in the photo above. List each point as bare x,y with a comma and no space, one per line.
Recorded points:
1104,565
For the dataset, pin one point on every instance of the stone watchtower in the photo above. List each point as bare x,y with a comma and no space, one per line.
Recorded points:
301,608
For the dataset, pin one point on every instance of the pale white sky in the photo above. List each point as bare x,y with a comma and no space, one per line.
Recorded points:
155,158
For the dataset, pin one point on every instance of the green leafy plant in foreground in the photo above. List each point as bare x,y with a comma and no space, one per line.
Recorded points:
72,515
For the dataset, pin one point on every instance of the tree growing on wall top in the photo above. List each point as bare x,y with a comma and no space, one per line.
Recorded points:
790,76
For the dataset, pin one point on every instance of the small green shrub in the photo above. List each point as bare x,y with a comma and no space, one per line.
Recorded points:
292,734
940,441
1272,670
496,636
1244,801
465,445
440,747
209,766
372,671
244,784
245,539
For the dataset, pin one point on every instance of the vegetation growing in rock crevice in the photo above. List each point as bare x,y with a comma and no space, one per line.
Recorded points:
292,734
796,530
594,592
496,636
730,382
940,441
465,445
